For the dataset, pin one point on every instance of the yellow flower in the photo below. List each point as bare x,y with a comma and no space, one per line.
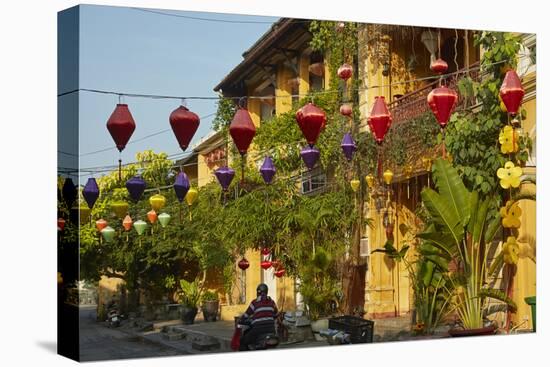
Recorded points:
508,139
510,215
509,175
510,250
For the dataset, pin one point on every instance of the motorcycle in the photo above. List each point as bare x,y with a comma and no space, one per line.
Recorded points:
263,341
114,317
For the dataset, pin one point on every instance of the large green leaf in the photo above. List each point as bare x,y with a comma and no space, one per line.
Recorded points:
479,223
492,228
443,214
441,240
451,187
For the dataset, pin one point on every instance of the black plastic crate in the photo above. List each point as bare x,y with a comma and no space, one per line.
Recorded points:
360,330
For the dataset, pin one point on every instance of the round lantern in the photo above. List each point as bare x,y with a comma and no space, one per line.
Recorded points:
184,124
127,223
121,126
348,146
243,264
266,264
511,92
164,219
225,176
157,202
279,273
120,208
100,224
266,251
108,234
242,130
267,170
60,224
439,66
310,156
140,226
380,119
91,192
442,101
69,192
388,177
191,196
136,186
311,120
152,216
345,71
355,183
181,186
346,110
370,180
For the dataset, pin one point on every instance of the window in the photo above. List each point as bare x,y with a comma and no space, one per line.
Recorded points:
313,181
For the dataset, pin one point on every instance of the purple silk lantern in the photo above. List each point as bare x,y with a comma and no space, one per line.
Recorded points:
69,192
135,186
91,192
225,176
348,146
310,155
181,186
267,170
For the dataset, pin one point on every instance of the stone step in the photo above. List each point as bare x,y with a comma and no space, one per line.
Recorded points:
204,345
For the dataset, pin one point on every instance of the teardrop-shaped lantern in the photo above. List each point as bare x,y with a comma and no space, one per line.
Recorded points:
100,224
127,223
311,119
225,176
121,126
152,216
91,192
348,146
266,264
380,119
355,183
243,264
140,227
346,110
157,202
267,170
181,186
120,208
242,130
345,71
108,234
164,219
191,196
442,101
266,251
60,224
370,180
280,273
136,186
69,192
317,68
511,92
388,177
310,156
184,124
439,66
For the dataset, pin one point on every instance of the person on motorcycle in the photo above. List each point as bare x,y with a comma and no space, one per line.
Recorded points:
261,315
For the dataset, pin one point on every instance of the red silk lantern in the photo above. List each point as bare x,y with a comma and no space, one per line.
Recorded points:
439,66
121,125
243,264
184,124
61,224
345,71
379,119
276,264
511,92
442,101
266,251
266,264
242,130
279,273
311,120
346,110
100,224
152,216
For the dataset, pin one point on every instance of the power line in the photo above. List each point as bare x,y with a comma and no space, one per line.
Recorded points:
217,20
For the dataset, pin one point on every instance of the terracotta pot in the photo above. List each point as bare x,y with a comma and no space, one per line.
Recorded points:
489,330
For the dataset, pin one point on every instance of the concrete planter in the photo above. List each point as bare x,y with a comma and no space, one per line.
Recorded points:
210,310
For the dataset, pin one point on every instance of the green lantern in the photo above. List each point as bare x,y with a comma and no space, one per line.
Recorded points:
164,219
108,234
140,226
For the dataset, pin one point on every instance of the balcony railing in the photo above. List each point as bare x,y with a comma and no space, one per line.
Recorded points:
414,104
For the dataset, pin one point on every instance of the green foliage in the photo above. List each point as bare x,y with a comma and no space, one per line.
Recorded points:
190,292
209,296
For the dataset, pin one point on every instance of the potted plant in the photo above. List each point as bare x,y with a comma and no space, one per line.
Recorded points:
210,305
189,296
461,227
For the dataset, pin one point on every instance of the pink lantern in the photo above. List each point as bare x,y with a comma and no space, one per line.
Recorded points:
345,71
439,66
346,110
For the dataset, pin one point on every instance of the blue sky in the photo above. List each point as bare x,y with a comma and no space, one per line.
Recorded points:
128,50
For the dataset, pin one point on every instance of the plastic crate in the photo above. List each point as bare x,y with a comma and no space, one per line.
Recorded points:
360,330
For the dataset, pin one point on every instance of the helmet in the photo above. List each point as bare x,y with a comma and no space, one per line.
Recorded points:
262,289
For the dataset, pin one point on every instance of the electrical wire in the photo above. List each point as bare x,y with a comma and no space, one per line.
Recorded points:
217,20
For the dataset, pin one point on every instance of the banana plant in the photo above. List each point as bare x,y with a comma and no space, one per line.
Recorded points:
461,227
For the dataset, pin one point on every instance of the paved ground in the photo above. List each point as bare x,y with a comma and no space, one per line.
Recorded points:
98,342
